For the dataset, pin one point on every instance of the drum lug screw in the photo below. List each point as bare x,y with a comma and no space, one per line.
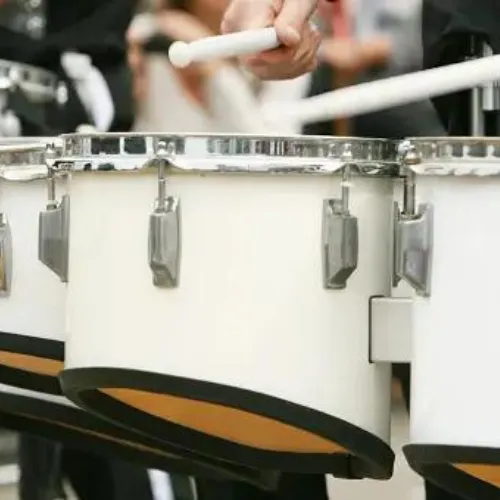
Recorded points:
5,257
53,224
413,249
339,237
62,94
413,231
164,241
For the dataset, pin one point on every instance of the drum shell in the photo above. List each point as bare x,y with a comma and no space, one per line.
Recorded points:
455,338
250,311
32,315
453,417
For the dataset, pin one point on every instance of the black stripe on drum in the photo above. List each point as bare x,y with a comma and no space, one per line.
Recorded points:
36,347
82,430
457,469
368,456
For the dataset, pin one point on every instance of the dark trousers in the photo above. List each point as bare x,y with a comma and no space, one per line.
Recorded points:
45,464
291,487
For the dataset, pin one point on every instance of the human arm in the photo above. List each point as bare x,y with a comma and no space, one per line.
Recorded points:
291,18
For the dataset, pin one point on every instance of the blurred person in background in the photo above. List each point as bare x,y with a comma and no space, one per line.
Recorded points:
213,96
52,34
218,95
397,22
453,31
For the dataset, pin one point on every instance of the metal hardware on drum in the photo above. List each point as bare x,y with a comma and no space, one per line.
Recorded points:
413,231
490,99
391,324
62,94
484,98
5,256
340,233
40,85
164,242
477,118
53,229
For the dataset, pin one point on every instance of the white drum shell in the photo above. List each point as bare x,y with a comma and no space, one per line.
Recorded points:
251,311
36,304
456,337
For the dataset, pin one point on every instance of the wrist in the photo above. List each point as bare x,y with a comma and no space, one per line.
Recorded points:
209,69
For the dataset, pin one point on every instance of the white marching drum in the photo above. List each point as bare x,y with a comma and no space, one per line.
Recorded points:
449,254
56,418
32,298
244,333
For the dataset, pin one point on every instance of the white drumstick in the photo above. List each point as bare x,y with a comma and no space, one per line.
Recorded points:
395,91
182,54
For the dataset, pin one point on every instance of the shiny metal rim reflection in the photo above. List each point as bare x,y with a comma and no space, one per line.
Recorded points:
204,154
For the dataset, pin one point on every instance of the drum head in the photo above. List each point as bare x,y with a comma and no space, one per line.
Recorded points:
81,430
471,472
230,423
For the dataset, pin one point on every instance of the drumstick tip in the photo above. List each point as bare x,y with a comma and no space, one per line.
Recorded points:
179,54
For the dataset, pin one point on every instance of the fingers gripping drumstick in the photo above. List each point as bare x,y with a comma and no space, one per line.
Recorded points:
182,54
391,92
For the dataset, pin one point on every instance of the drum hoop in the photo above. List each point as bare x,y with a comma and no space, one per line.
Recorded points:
231,153
32,79
454,156
23,159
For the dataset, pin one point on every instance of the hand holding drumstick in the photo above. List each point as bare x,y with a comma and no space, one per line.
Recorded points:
273,38
276,44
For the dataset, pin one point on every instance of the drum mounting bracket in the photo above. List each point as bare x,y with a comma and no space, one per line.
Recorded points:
339,244
164,241
164,244
5,256
390,330
413,241
53,225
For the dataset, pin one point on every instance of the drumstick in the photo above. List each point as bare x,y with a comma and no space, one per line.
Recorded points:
390,92
341,29
182,54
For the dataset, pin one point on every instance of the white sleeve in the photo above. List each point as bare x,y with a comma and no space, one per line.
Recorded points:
232,103
91,87
281,93
235,108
